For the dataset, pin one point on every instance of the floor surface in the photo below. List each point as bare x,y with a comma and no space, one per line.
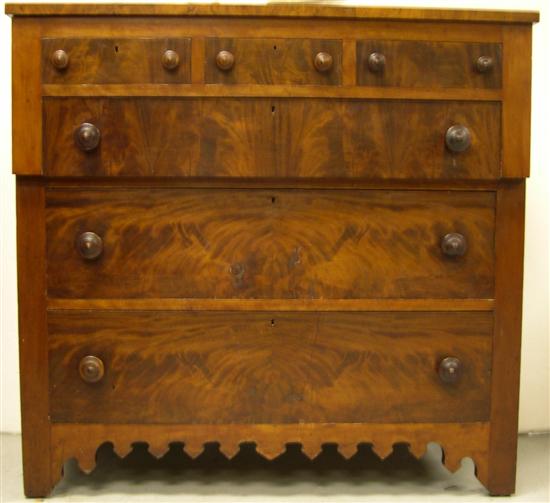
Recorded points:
289,478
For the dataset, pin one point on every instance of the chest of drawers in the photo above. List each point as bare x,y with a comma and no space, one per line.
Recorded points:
269,224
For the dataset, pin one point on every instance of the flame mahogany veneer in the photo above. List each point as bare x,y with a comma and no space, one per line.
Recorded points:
275,224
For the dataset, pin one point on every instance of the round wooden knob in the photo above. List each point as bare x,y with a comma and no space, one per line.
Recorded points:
89,245
449,369
376,62
87,136
323,62
225,60
458,138
170,59
60,59
91,369
484,64
454,244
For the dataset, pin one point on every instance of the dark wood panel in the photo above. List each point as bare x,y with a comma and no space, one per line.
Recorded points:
26,97
429,64
313,377
208,243
310,139
235,138
260,137
138,137
33,338
510,217
116,60
218,368
516,113
407,139
273,61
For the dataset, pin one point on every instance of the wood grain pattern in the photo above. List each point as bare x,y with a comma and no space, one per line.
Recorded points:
516,115
349,57
271,183
271,239
217,368
280,10
305,138
26,98
272,61
33,339
404,139
197,60
429,64
457,440
318,305
273,91
507,338
234,136
116,60
269,244
269,27
136,138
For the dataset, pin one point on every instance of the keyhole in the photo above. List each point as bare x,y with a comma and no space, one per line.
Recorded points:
116,48
274,47
273,200
273,109
272,323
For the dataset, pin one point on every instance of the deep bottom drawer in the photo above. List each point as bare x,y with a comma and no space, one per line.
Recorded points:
234,367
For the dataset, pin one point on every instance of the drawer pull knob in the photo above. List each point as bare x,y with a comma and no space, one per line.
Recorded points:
89,245
449,369
454,244
91,369
323,62
484,64
87,136
458,138
60,59
225,60
376,62
170,60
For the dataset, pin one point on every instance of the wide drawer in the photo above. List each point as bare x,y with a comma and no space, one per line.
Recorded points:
271,138
227,367
116,60
252,243
427,64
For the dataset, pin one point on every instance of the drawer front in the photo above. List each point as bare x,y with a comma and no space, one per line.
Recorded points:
401,63
213,243
271,138
273,61
182,367
116,60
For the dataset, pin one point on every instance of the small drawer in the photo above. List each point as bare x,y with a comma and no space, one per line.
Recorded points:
397,63
273,61
239,367
271,138
269,244
116,60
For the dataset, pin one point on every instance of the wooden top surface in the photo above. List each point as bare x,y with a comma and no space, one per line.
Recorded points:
271,10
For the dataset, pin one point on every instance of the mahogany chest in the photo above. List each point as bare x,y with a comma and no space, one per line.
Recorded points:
269,224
